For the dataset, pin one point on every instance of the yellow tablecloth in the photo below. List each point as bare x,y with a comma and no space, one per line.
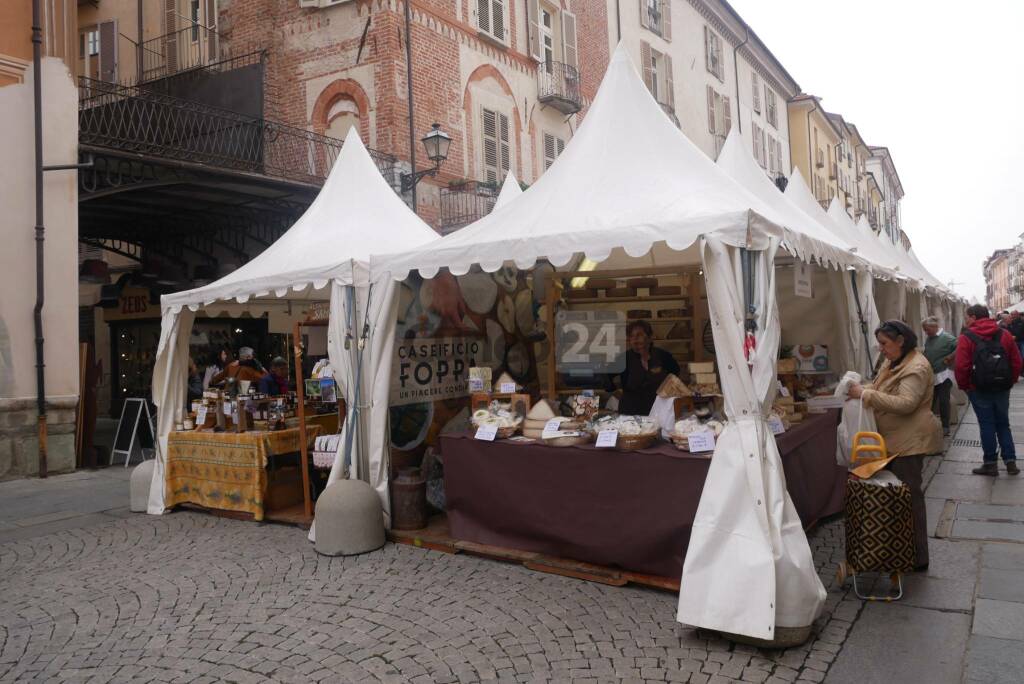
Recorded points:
225,470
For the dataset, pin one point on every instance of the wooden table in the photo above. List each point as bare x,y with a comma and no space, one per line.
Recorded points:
226,470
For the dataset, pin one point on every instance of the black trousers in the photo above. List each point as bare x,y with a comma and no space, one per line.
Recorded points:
940,402
910,470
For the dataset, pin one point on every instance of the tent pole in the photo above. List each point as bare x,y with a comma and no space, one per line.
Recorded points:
863,324
352,419
300,395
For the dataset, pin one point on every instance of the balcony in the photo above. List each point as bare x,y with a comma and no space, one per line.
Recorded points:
190,48
558,86
464,203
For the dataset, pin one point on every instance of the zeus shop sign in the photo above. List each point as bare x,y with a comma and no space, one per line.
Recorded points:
425,370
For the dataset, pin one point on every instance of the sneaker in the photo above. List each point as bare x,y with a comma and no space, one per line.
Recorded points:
1012,469
990,469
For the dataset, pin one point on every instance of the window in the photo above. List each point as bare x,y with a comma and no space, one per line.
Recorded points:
758,138
656,15
547,38
497,152
773,157
553,147
756,88
490,18
713,53
91,41
657,74
194,15
719,113
343,115
771,108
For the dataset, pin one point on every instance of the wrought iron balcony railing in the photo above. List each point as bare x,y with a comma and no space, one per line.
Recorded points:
558,85
142,121
182,50
465,203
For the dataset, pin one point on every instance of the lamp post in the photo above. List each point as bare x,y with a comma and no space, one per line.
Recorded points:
436,143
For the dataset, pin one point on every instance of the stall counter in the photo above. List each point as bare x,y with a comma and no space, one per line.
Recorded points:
626,509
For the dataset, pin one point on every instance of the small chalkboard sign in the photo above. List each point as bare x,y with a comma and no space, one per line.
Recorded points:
135,432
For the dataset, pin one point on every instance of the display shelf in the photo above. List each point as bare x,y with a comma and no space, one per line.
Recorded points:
627,300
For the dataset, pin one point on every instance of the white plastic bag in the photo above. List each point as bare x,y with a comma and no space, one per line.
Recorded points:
855,418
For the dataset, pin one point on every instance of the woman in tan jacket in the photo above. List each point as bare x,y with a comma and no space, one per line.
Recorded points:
901,398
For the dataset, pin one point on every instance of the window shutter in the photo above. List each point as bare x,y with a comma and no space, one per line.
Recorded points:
645,62
108,51
549,150
772,163
666,19
645,17
498,19
753,139
569,38
782,163
756,84
707,50
483,15
669,95
727,115
504,147
490,131
533,19
711,109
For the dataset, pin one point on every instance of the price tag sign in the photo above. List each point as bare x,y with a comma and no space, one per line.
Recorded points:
201,416
486,432
607,438
228,408
476,384
783,392
552,428
776,425
507,388
701,442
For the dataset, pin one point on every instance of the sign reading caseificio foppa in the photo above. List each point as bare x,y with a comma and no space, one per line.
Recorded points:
429,369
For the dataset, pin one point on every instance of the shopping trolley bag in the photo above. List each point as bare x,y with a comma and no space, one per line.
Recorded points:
879,520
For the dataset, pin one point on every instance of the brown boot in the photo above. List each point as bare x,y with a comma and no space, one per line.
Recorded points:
1012,469
990,469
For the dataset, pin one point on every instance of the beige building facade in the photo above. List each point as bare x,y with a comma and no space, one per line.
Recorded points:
19,431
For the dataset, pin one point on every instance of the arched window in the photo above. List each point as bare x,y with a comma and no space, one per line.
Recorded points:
343,115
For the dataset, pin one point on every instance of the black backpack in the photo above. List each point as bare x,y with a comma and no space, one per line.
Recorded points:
990,367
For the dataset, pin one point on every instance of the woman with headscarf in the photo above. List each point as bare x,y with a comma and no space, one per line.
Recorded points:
901,398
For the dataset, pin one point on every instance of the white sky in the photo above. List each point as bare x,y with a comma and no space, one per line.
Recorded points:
941,84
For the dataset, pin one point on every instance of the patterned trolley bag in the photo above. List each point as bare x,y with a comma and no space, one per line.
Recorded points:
879,523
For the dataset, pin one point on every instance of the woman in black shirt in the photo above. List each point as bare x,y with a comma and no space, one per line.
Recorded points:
646,367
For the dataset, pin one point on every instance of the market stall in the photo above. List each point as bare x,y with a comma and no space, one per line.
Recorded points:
603,210
317,269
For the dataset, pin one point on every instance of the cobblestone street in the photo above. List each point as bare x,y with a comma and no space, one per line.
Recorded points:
189,597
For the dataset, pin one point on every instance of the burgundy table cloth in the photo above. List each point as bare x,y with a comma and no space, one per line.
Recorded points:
629,510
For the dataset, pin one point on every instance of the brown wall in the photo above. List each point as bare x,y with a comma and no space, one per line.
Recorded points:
60,35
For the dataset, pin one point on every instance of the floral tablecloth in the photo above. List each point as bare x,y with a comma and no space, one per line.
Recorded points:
225,470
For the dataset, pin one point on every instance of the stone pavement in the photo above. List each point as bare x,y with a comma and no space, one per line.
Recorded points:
89,592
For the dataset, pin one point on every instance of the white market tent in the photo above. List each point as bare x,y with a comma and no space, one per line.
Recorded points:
324,256
631,190
510,189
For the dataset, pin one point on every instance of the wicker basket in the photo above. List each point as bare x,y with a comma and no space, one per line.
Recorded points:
636,442
566,441
506,432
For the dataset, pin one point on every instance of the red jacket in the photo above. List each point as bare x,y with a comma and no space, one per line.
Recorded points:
986,328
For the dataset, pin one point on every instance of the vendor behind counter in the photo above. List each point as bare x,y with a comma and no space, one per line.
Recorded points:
646,367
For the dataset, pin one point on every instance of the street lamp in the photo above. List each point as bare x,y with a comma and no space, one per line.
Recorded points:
436,142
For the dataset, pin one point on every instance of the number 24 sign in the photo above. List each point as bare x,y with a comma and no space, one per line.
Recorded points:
588,342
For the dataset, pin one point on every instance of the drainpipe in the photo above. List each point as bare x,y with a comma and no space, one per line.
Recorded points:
408,82
736,73
138,47
618,21
810,150
40,230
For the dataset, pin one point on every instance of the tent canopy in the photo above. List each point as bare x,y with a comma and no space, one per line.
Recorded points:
509,191
641,181
736,160
330,241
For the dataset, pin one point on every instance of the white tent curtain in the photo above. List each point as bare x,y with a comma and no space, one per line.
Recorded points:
170,387
747,540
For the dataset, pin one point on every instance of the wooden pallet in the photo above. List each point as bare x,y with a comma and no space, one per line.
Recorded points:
437,537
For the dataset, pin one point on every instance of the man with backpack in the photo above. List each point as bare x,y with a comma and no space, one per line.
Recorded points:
988,364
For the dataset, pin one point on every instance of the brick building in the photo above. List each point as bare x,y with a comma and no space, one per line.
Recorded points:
508,96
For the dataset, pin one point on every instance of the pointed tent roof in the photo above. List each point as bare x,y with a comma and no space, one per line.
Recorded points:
867,245
804,236
355,214
800,195
626,181
509,191
906,265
